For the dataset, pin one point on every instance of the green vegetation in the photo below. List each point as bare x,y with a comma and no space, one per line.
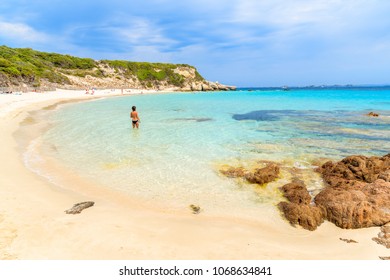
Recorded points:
30,66
151,72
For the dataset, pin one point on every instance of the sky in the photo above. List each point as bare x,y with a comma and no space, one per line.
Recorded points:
236,42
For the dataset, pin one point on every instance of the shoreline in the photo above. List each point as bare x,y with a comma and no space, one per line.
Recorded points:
33,221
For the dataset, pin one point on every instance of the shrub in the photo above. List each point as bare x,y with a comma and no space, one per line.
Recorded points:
4,62
12,71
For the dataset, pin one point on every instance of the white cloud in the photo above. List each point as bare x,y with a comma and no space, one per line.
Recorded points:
21,32
122,34
296,28
141,31
289,12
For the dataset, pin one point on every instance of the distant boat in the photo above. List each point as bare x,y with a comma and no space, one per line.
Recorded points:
285,88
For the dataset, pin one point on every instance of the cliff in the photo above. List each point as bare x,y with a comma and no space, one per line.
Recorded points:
27,68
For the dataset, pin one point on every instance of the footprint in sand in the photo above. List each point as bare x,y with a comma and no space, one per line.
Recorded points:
7,236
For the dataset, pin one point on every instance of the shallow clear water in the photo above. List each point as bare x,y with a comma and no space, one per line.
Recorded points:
184,139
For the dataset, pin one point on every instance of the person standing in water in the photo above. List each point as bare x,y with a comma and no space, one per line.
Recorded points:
134,117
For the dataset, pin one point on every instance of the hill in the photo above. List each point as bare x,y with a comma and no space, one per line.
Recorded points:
28,68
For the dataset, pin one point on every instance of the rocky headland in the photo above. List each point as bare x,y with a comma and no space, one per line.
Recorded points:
27,69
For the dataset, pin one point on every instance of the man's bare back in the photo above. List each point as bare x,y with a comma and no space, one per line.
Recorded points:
134,117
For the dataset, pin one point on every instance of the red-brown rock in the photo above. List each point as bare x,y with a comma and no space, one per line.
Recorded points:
258,176
353,208
355,170
298,210
309,217
296,192
263,175
234,172
385,175
359,191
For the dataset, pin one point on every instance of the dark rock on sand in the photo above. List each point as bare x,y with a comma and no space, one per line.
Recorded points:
298,210
307,216
357,195
263,175
348,240
195,209
78,207
384,236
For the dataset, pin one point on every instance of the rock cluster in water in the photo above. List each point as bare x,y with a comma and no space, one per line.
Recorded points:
357,194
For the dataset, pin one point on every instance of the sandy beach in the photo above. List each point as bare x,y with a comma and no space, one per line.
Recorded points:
33,224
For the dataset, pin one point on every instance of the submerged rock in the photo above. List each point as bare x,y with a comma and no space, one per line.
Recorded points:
262,115
259,176
372,114
234,172
194,119
263,175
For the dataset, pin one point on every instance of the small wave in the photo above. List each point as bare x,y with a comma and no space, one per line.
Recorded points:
301,165
35,162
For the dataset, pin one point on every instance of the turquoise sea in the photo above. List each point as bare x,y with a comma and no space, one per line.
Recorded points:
185,138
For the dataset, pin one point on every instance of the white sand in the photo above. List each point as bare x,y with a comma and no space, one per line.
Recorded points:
33,224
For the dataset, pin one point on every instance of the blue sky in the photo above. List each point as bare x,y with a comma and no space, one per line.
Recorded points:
238,42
